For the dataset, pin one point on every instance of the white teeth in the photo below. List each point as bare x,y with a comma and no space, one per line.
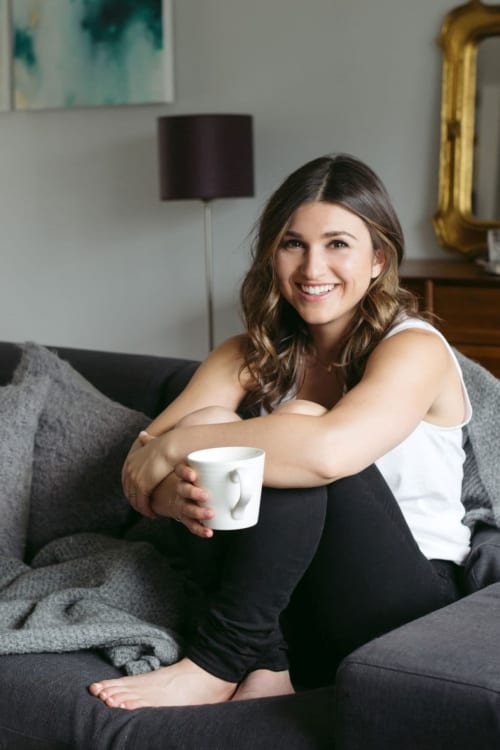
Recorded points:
317,290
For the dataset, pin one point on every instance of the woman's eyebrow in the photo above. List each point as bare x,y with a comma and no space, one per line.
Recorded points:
339,233
333,233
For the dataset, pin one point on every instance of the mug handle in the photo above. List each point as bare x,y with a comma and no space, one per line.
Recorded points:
241,476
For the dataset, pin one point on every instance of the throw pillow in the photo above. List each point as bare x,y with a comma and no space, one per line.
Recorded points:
80,445
20,407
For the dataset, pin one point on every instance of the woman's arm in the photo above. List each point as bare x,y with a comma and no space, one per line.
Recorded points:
217,382
407,379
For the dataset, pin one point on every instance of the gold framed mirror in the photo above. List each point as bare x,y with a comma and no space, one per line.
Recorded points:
469,172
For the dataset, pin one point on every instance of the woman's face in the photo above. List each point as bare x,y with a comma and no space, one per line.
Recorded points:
325,263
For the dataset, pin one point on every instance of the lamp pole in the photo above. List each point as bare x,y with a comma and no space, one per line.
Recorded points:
209,269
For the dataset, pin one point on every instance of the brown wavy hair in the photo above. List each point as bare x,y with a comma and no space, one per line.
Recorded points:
279,343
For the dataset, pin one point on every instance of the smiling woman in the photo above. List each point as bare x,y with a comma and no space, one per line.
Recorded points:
359,408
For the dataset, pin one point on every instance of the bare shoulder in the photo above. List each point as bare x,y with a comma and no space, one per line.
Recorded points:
216,382
233,346
416,366
229,354
221,371
423,351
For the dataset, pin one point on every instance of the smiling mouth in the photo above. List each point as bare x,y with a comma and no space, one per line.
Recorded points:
317,290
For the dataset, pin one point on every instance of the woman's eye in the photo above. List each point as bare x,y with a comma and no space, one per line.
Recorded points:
291,244
338,243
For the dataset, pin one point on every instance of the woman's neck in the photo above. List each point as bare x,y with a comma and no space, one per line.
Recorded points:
327,338
326,347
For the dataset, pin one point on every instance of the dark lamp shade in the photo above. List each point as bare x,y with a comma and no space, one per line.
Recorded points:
205,157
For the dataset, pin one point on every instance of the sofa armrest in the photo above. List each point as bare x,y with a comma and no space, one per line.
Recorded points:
433,683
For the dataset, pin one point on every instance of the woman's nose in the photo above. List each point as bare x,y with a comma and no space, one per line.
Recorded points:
313,262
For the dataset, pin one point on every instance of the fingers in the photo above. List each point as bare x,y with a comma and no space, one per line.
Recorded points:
144,468
189,506
185,472
184,501
138,499
186,487
135,445
140,502
193,517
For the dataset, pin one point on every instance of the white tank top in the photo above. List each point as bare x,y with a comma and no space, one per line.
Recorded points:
425,474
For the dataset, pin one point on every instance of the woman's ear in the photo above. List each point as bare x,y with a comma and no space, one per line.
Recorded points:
378,263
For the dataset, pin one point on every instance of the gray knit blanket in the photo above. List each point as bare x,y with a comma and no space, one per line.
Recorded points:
481,485
92,591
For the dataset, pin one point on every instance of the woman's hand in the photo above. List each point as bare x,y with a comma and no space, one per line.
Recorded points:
144,468
177,497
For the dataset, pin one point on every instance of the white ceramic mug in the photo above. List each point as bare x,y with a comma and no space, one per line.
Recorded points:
233,479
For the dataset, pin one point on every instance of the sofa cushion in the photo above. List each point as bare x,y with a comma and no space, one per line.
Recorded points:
80,445
45,705
20,407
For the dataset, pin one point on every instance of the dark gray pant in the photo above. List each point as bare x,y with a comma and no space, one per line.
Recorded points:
332,567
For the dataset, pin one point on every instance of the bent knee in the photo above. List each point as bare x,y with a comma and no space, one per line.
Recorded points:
301,406
208,415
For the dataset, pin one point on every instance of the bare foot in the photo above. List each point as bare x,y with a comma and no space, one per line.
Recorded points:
182,684
263,683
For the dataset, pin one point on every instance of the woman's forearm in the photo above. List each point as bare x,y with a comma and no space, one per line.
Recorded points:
294,444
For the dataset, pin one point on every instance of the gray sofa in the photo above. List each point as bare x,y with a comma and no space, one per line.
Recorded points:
433,684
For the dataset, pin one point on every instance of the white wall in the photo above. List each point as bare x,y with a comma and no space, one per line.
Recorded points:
89,255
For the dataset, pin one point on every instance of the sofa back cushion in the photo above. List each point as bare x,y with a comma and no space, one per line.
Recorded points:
20,408
81,441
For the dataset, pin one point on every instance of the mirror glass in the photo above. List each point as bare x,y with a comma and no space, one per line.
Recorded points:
469,158
486,163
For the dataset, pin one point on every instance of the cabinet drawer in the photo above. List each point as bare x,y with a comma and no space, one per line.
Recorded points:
466,302
417,287
469,315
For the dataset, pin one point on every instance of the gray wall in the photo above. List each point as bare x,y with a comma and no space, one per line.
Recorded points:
89,255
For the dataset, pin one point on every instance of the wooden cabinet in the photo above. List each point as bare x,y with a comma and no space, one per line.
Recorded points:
466,301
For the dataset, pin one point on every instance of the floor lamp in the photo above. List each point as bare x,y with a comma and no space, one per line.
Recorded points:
203,157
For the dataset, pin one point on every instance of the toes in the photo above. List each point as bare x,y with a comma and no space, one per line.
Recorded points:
122,699
116,696
106,691
95,688
131,705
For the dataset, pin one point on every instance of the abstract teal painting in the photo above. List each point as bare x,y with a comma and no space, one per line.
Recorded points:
84,53
4,56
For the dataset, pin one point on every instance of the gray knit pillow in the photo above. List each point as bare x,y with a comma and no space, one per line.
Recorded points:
80,445
20,407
